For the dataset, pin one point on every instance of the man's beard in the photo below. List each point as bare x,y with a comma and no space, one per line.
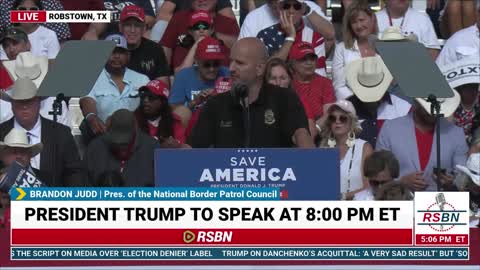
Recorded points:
115,71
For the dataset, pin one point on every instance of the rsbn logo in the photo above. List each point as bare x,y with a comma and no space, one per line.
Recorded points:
441,216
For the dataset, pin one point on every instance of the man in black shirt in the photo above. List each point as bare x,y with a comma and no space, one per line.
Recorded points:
146,56
252,114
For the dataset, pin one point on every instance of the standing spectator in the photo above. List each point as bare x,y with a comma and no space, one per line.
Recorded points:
359,23
279,24
168,9
116,88
124,149
85,31
277,117
380,168
193,85
59,163
155,117
411,22
340,128
43,40
146,56
116,8
317,90
26,65
412,140
174,40
61,29
457,15
464,43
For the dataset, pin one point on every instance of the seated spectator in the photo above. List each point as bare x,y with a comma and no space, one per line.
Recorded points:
468,180
394,191
315,89
44,42
277,73
86,31
146,56
116,7
411,140
411,22
340,129
5,79
359,22
25,65
59,163
457,15
168,8
116,88
61,29
468,110
380,168
277,115
280,23
193,85
16,147
155,117
124,149
173,41
369,80
110,179
464,43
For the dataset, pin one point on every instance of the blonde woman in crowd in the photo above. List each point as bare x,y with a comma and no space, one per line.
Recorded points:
340,128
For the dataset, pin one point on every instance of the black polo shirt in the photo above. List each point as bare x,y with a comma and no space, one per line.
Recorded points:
274,118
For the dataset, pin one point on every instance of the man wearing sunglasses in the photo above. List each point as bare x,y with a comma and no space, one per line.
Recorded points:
280,23
193,85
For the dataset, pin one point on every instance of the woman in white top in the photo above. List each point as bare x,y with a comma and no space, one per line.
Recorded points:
43,40
340,128
359,23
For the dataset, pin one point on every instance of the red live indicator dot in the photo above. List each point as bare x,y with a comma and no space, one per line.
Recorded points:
26,16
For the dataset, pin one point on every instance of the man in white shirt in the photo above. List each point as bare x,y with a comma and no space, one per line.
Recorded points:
398,13
462,44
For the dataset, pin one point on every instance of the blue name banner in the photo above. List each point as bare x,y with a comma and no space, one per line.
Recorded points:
300,174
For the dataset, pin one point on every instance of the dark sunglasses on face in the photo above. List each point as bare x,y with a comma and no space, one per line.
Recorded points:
201,26
296,6
25,8
332,118
211,64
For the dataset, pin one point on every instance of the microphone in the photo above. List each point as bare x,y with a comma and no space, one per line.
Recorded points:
440,199
240,91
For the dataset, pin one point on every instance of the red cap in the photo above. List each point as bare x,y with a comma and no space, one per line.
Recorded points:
300,50
132,11
200,16
158,88
209,49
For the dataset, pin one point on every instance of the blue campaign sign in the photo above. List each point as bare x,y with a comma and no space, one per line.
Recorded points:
301,174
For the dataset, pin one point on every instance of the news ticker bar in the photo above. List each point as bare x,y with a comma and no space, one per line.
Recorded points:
143,194
226,253
67,16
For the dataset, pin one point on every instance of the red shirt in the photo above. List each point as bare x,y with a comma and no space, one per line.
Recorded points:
5,80
424,146
178,27
78,29
317,92
178,130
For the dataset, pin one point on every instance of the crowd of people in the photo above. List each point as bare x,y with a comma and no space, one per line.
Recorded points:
186,74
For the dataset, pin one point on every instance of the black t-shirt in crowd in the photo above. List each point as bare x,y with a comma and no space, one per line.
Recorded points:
187,4
116,7
149,59
274,118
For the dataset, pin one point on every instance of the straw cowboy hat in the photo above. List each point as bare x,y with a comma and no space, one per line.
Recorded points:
447,105
23,89
473,168
26,65
369,78
18,138
393,33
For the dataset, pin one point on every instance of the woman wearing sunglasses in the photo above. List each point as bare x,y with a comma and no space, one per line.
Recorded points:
340,128
43,40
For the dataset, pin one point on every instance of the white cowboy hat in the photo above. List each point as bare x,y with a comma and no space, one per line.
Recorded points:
462,72
447,105
369,78
393,33
22,89
473,168
18,138
26,65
